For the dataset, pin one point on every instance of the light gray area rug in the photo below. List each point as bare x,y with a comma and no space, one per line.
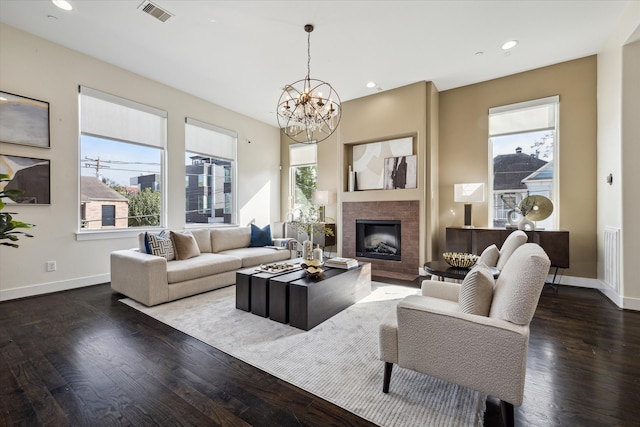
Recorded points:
337,360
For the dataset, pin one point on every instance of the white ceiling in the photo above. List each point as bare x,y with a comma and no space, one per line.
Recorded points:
243,59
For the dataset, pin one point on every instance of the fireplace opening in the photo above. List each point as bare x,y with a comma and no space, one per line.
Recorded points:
378,239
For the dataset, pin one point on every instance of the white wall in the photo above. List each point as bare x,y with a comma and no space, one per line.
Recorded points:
36,68
615,156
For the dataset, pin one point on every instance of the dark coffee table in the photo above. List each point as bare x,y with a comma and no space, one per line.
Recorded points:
252,288
302,301
443,269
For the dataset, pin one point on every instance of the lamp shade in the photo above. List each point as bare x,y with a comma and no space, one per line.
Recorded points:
320,197
467,193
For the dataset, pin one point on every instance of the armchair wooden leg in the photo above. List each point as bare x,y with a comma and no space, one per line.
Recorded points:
507,414
388,366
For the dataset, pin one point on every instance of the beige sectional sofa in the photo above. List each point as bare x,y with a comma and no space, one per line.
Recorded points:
152,279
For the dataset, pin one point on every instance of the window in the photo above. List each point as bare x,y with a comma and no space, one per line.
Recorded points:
108,215
523,147
303,176
210,159
122,146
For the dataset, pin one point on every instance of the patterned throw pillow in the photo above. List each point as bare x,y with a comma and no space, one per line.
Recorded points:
159,245
476,291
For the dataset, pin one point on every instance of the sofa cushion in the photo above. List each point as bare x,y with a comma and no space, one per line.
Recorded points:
229,238
203,237
256,256
260,236
184,245
489,256
159,245
201,266
476,291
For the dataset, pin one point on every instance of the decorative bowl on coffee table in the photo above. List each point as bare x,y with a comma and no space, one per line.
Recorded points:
313,267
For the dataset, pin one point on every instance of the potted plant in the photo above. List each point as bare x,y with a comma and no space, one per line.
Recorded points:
8,225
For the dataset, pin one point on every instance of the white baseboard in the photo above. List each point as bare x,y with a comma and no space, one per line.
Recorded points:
582,282
47,288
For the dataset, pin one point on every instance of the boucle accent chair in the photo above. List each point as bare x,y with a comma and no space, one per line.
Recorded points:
432,333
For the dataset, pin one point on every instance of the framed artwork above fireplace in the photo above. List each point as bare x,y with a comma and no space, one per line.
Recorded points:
369,161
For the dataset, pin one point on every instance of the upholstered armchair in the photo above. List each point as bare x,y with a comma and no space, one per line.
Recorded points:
474,334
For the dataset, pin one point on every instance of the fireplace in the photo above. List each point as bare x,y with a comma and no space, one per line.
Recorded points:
379,239
407,212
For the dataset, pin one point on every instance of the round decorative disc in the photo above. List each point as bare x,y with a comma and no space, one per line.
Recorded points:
542,207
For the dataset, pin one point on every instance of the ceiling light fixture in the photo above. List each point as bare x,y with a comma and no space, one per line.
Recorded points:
309,110
510,44
62,4
371,85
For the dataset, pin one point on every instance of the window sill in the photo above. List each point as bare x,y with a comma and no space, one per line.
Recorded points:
113,234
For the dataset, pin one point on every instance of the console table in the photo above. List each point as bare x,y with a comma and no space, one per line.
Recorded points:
475,240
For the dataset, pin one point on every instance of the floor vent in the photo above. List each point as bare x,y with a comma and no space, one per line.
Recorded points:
155,11
612,257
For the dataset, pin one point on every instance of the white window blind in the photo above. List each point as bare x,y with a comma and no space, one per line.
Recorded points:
208,139
139,123
529,116
303,154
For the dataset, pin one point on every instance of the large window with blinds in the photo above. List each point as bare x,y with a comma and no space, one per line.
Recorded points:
303,174
210,159
523,148
122,146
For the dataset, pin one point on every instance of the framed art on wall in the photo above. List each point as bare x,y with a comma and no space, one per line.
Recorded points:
23,120
400,172
29,175
369,158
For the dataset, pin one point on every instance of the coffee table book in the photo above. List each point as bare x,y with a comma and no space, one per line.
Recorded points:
338,262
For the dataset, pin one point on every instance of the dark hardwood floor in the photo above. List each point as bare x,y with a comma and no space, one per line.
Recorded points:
82,358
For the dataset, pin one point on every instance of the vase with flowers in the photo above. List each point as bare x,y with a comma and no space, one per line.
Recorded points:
307,221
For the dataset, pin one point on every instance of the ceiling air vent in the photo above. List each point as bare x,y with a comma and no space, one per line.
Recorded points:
155,11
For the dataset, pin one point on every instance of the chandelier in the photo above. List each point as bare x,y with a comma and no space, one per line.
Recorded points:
309,110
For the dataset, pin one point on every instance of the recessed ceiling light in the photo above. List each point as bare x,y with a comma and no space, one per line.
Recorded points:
62,4
510,44
371,85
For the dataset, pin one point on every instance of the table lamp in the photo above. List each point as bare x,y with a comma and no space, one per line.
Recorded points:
320,198
467,194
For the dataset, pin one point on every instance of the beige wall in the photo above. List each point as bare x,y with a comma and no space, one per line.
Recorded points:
618,135
464,148
401,112
631,172
36,68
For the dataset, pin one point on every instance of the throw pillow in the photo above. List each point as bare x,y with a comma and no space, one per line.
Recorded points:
476,291
159,245
489,256
260,236
185,245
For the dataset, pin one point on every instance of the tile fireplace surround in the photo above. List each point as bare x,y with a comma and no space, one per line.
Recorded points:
407,212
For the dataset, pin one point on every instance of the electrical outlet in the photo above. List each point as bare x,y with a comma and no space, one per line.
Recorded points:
51,266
